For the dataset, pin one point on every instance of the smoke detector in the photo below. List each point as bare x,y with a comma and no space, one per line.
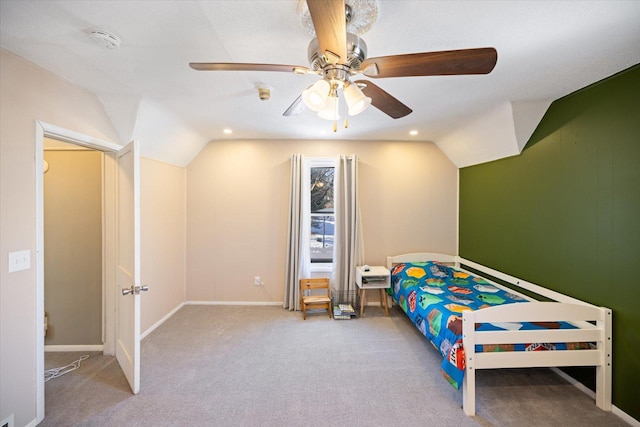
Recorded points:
105,39
264,92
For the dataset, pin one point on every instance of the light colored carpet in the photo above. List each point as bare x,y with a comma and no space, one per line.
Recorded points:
264,366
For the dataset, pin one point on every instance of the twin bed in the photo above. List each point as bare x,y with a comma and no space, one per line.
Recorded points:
476,323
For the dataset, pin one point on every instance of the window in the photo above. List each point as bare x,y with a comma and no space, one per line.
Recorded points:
322,211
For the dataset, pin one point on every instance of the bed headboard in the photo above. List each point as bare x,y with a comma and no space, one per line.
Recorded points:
423,257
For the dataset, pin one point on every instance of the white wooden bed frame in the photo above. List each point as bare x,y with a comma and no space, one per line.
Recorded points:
563,308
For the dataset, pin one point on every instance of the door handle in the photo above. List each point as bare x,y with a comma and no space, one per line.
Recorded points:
134,290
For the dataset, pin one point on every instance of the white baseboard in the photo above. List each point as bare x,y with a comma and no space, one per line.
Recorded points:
614,409
232,303
54,348
586,390
161,321
9,421
625,417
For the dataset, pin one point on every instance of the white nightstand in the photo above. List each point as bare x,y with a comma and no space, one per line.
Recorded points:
377,277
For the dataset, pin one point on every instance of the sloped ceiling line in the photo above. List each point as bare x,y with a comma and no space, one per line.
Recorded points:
545,51
123,113
526,118
500,132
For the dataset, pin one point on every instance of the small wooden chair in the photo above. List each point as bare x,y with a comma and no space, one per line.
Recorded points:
312,297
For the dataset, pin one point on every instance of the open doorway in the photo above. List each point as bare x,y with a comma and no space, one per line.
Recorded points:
120,244
74,265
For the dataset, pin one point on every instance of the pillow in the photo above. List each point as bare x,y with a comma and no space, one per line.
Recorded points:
418,270
438,271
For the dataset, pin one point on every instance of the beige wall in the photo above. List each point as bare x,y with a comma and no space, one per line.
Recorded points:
236,199
73,247
162,234
27,94
237,210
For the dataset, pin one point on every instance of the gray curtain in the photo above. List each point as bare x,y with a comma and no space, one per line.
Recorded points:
348,251
299,231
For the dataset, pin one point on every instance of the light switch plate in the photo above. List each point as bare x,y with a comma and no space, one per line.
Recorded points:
19,261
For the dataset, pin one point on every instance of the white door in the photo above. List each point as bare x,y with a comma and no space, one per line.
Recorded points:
128,263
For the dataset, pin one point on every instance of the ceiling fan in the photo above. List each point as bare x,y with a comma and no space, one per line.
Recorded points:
337,55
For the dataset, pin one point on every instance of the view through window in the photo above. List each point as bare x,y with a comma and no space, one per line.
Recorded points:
322,214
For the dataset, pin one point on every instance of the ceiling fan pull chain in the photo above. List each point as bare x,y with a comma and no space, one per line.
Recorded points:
335,126
346,123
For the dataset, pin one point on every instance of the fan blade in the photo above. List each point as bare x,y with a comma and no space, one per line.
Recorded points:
383,101
329,21
239,66
444,63
295,108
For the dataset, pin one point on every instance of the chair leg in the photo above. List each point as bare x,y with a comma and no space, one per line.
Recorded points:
329,310
304,313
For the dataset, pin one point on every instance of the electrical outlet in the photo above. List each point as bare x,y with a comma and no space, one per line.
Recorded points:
257,281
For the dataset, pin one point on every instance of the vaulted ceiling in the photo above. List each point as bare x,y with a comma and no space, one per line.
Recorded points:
545,50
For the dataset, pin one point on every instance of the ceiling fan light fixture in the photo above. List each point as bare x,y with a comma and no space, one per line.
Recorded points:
330,109
314,96
357,102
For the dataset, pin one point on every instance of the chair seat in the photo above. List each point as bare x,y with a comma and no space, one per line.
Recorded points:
316,299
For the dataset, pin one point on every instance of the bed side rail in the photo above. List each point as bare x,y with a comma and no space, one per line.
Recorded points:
532,287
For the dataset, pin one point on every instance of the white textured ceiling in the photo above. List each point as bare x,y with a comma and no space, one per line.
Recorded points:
545,51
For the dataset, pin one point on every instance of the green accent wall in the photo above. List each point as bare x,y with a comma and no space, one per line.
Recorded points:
566,213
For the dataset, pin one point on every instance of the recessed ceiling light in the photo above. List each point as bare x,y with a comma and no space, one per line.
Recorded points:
413,132
227,131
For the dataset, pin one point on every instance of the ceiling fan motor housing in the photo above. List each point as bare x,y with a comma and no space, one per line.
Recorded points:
356,54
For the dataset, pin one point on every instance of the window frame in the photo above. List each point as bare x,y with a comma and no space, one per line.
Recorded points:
319,162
